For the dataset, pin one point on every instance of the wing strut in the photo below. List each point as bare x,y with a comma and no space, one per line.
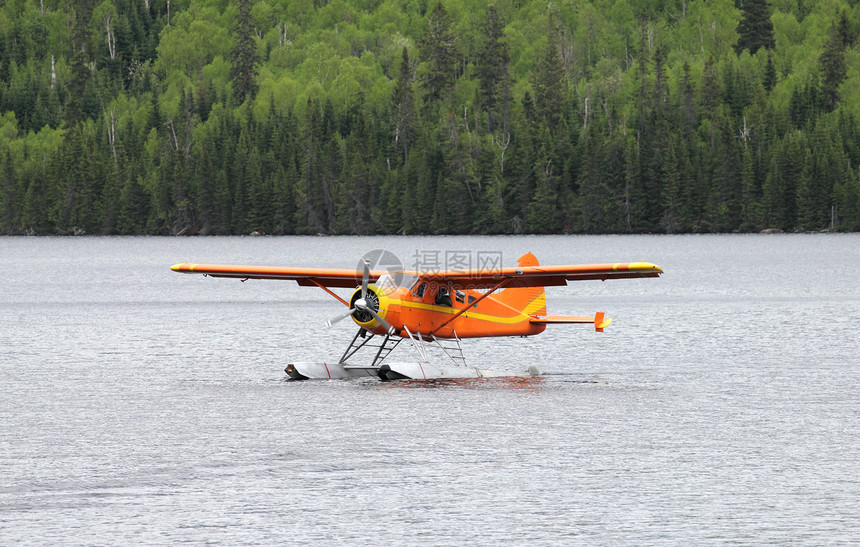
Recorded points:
497,286
326,289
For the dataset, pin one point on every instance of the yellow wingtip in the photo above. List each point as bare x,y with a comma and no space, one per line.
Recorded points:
177,267
645,267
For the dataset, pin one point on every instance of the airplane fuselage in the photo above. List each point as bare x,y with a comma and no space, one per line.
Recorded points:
426,312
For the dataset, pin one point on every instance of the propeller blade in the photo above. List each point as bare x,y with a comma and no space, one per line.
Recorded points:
383,322
340,317
364,278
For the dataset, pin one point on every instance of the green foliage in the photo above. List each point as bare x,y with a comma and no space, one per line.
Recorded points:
832,66
439,52
301,116
244,69
755,29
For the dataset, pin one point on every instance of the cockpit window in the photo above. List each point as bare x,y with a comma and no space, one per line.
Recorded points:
396,280
461,297
385,282
419,291
407,281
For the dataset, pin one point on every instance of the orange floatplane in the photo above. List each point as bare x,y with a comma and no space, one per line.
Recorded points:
434,310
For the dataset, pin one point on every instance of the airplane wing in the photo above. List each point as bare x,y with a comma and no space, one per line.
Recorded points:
523,276
307,277
540,276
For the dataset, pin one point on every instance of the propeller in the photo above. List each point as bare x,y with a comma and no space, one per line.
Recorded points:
362,305
339,318
364,277
388,328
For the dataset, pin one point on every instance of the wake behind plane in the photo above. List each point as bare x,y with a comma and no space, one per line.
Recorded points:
434,311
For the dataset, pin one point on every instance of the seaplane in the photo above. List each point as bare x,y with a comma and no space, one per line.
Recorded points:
434,310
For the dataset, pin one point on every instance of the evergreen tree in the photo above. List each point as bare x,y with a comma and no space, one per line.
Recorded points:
8,195
523,156
805,103
833,69
671,193
492,70
422,178
711,91
755,30
749,193
355,196
438,47
457,189
594,194
245,59
660,163
403,109
723,209
548,82
845,29
310,214
544,215
35,211
769,78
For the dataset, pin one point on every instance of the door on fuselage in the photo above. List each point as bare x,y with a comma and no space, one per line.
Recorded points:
428,310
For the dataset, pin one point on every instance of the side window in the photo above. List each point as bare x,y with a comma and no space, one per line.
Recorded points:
461,297
443,298
419,291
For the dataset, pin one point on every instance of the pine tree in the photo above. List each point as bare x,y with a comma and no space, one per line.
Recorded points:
769,78
311,217
245,59
492,70
523,155
846,30
8,194
755,28
804,104
403,106
455,192
671,191
593,192
548,82
355,195
422,178
711,91
438,47
543,215
831,63
661,161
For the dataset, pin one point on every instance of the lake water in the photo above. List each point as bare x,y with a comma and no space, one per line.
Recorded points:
142,406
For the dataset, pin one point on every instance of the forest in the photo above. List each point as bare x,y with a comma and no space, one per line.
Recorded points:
184,117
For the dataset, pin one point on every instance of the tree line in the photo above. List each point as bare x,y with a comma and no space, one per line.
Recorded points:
394,116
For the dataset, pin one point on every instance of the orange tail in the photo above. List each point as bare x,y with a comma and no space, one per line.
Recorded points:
528,300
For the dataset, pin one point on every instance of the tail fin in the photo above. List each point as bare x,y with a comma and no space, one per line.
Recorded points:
528,300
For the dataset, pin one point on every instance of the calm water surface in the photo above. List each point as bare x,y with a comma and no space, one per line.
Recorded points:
141,406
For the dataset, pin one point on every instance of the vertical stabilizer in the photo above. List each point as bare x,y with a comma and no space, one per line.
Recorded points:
528,300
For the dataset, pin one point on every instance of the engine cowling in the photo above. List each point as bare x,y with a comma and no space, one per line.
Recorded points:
375,300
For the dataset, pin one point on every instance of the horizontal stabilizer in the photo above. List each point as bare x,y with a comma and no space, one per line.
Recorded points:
599,320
